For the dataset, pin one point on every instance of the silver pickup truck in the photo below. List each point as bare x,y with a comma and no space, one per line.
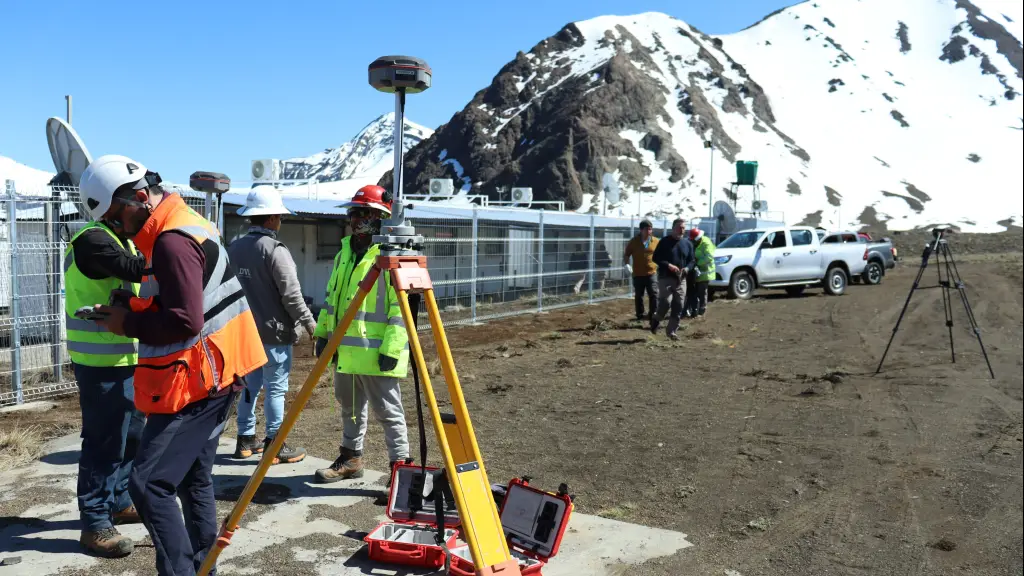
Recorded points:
881,254
790,258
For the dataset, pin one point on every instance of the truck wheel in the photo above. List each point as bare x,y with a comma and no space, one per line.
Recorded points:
835,281
795,291
741,285
872,274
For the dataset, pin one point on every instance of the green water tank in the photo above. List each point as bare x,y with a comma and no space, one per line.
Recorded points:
746,173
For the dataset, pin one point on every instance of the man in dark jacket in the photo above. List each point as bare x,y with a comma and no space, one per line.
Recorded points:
271,285
675,258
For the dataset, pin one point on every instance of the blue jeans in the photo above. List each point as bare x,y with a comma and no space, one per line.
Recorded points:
111,430
274,377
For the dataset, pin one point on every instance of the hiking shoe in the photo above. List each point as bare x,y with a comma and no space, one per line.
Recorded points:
127,516
673,336
654,326
348,465
108,543
287,454
246,446
391,470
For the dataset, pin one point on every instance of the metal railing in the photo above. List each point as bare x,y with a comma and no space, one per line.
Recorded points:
36,226
485,264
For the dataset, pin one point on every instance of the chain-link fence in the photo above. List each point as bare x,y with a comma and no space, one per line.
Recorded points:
36,226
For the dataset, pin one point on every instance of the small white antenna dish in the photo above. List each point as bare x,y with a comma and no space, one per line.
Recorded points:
722,212
521,196
67,150
442,187
612,193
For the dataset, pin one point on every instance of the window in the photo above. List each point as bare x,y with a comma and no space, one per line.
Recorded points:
801,237
776,239
833,239
741,240
328,240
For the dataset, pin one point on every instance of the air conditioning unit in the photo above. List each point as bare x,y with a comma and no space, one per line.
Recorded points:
759,206
522,196
266,170
441,187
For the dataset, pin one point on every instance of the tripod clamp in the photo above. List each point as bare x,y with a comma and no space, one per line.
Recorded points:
398,236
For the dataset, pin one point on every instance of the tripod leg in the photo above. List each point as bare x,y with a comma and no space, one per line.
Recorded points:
917,281
235,517
962,289
481,525
947,298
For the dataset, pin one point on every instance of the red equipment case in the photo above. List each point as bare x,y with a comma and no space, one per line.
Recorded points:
534,521
409,538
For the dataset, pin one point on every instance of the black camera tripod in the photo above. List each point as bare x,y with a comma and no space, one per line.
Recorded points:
951,280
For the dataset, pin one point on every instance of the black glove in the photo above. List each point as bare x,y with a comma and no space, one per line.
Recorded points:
318,347
120,298
386,363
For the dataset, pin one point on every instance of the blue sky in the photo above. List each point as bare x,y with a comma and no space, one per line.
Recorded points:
188,85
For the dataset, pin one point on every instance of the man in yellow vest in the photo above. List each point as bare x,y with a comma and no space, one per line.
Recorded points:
374,353
100,261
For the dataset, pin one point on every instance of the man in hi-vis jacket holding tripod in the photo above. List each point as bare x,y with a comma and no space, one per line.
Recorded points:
374,352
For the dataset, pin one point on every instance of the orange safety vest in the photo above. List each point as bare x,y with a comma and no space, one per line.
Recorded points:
167,378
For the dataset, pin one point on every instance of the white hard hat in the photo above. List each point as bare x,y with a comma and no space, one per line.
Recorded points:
263,201
103,177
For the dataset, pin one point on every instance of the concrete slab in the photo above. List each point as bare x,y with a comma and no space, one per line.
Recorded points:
45,535
37,406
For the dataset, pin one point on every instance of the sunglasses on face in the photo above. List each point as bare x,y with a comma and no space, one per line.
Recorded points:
360,213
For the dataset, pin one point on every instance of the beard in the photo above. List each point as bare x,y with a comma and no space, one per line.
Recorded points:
367,228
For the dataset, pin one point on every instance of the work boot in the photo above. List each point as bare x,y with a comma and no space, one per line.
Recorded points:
391,470
246,446
287,454
127,516
108,543
348,465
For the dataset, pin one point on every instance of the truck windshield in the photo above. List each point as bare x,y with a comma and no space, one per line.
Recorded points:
741,240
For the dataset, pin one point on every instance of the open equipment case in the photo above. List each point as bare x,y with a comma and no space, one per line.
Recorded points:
534,522
409,538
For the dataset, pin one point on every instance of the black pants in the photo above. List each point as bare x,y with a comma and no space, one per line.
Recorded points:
690,306
645,285
175,460
698,298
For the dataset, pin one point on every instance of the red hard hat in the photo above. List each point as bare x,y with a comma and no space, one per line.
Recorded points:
696,233
370,196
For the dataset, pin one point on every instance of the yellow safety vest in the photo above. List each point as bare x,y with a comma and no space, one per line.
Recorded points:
378,327
89,344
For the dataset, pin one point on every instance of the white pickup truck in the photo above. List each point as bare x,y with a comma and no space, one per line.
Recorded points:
788,258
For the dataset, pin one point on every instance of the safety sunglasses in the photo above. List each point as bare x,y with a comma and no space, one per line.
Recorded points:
360,212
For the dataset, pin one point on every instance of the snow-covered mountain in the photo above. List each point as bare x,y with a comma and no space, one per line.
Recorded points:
901,114
367,156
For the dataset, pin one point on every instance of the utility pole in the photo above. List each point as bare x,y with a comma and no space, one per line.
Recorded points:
711,181
68,98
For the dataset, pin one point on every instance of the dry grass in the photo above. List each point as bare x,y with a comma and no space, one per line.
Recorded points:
20,445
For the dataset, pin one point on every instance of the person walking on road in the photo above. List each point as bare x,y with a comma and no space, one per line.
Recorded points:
268,276
197,341
101,262
374,352
674,257
641,249
703,272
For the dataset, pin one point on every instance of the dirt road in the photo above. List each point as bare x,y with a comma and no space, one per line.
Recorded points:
763,434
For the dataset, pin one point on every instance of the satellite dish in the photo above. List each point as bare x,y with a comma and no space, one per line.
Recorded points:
69,154
726,218
612,194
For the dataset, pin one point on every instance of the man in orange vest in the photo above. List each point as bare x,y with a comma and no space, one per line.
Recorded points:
197,341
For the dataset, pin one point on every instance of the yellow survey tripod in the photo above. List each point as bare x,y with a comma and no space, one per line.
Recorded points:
400,257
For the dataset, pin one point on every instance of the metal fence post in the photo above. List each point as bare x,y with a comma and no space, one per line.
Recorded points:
540,264
53,283
590,297
632,231
472,288
12,221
